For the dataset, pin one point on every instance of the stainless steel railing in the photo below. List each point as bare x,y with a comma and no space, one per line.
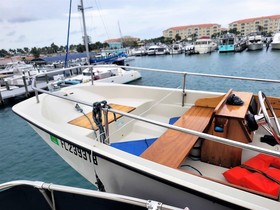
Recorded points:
165,125
44,188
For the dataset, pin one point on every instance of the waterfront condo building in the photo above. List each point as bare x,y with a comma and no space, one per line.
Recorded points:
266,24
189,31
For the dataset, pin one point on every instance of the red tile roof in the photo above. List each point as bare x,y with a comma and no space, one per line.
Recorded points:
113,40
191,26
257,18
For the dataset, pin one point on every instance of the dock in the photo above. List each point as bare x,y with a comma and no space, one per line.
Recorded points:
21,91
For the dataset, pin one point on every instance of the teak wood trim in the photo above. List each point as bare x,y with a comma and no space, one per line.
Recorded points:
83,121
172,147
221,103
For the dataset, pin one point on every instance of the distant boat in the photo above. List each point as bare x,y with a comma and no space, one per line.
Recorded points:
23,194
204,45
115,58
226,43
255,41
139,51
275,44
105,73
231,43
176,49
158,50
19,69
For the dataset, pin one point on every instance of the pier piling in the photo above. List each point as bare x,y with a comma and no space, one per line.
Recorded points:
25,86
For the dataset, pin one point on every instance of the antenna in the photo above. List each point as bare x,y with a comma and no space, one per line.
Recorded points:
120,33
81,8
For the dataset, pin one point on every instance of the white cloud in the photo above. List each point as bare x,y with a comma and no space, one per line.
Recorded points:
42,22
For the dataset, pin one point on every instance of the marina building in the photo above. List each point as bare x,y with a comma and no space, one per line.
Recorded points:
266,24
185,32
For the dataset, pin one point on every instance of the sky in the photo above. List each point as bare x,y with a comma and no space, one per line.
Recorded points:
37,23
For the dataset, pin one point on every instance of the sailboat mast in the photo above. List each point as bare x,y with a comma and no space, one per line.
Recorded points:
85,30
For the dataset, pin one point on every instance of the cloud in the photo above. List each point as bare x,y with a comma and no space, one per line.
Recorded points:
21,39
22,19
11,33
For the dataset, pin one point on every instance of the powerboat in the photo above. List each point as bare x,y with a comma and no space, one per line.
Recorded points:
275,44
226,43
105,73
204,45
176,49
158,50
22,73
200,149
255,41
26,195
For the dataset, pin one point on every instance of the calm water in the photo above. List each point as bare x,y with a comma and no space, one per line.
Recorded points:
25,156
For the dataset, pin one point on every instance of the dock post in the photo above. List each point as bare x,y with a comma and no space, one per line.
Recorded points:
25,86
47,78
7,85
1,99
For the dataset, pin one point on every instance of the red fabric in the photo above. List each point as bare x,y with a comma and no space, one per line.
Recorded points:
254,180
235,175
259,182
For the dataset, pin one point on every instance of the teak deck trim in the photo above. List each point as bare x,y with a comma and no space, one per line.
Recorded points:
82,121
172,147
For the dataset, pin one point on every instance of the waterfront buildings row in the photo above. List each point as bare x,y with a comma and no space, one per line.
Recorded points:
245,26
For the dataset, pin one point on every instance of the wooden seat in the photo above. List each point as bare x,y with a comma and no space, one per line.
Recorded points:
83,121
172,147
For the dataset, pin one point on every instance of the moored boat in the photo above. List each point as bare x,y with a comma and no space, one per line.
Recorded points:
204,45
226,43
255,41
275,44
199,149
105,73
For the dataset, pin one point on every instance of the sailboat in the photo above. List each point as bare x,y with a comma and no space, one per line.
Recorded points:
105,68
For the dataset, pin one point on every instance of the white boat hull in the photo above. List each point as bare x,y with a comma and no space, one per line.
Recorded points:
256,46
122,172
275,46
118,177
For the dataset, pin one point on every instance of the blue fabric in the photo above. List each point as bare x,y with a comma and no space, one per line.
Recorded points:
136,147
173,120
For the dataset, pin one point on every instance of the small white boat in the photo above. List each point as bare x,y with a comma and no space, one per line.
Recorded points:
105,73
176,49
21,72
139,51
27,195
204,45
275,44
185,147
255,41
158,50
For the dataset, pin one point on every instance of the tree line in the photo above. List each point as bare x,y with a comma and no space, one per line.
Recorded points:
52,49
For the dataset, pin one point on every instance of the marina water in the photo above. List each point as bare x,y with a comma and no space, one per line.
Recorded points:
24,155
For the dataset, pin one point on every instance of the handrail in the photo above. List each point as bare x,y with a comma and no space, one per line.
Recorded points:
80,191
165,125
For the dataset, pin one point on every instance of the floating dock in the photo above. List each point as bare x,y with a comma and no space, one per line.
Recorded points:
21,91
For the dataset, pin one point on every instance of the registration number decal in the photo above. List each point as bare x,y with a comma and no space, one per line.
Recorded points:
76,150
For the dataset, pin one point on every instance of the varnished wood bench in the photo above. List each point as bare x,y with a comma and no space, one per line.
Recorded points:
172,147
83,121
